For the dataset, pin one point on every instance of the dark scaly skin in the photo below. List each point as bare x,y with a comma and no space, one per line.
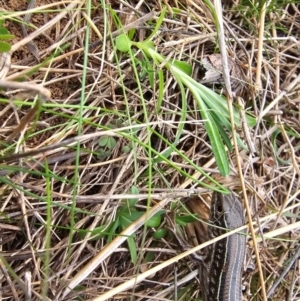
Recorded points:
221,271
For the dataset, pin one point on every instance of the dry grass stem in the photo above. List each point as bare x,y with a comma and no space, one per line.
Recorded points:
104,145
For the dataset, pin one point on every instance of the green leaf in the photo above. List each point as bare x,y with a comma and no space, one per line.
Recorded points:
150,71
161,86
251,120
183,66
222,131
183,220
124,221
217,145
126,149
224,122
131,33
107,141
154,222
103,140
132,201
3,31
157,24
218,105
180,223
161,233
113,229
123,43
176,10
4,47
132,249
166,153
102,154
126,218
6,37
149,257
97,233
148,44
148,49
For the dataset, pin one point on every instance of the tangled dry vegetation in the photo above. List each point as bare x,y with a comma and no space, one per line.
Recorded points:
82,165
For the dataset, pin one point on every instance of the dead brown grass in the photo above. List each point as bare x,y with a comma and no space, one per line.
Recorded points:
56,178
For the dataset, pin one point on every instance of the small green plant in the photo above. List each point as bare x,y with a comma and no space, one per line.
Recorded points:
182,218
4,36
108,143
126,215
213,107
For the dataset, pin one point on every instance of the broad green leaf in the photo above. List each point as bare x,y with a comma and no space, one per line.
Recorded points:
183,220
127,218
154,221
183,66
215,138
123,43
213,103
150,256
3,31
126,149
161,233
103,154
222,131
124,222
107,141
219,104
4,47
147,46
148,49
209,123
225,123
111,143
